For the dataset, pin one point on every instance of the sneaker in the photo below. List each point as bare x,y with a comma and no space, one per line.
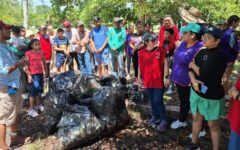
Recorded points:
201,134
169,91
153,122
25,96
192,147
40,108
162,127
178,124
32,113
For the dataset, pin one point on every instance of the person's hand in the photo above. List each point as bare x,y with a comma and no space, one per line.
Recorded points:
100,50
23,61
29,79
166,82
133,51
195,84
233,92
67,53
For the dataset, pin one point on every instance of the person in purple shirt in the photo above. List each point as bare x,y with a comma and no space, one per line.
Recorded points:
129,49
230,46
184,54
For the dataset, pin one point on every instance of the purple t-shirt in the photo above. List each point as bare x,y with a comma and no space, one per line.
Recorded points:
182,57
128,40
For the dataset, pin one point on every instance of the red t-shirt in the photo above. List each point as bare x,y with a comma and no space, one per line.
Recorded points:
151,65
35,61
234,112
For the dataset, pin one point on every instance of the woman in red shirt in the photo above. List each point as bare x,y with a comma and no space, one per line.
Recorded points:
154,71
35,76
233,117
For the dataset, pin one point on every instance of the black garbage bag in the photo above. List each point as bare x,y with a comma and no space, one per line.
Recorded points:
137,95
54,103
77,126
110,80
85,86
63,82
109,106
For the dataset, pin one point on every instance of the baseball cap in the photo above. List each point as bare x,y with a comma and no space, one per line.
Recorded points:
5,26
66,24
80,23
191,27
96,18
215,32
117,19
149,37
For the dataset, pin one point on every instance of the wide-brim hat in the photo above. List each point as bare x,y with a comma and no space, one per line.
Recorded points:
191,15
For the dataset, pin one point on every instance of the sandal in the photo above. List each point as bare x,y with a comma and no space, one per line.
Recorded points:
18,140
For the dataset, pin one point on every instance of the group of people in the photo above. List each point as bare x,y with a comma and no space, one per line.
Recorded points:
198,60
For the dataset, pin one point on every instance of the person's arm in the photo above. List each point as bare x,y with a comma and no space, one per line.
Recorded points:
233,38
166,73
4,70
104,45
194,67
45,66
110,41
194,81
122,40
56,48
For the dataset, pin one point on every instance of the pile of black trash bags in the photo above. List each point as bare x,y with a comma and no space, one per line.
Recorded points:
80,108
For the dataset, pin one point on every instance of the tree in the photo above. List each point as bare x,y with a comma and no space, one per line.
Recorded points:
25,13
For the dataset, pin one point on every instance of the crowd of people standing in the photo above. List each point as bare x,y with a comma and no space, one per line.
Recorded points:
196,58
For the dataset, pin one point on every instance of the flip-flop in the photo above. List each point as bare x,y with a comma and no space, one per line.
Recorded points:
21,141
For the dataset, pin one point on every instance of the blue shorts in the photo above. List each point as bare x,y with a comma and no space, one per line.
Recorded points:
60,58
102,58
234,141
37,85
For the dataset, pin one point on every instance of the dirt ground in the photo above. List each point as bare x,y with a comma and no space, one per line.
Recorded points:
135,135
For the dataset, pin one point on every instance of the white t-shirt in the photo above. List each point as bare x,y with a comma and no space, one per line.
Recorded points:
72,36
17,41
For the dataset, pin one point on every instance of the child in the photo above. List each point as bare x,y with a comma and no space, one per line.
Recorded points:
233,117
35,76
169,47
62,46
17,42
154,70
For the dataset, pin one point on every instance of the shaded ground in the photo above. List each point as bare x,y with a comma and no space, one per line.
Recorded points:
136,135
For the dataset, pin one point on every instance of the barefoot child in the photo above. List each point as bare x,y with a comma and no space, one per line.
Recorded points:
35,69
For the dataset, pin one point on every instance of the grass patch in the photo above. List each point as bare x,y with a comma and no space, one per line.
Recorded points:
38,144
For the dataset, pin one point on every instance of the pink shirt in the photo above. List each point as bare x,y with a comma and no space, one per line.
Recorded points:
35,61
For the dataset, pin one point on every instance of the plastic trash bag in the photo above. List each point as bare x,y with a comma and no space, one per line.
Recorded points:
137,95
85,85
64,82
77,126
110,80
109,106
54,103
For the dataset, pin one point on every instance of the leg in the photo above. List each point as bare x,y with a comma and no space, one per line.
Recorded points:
226,77
121,69
105,69
114,64
215,133
76,59
158,103
3,144
196,127
135,64
154,109
234,141
128,63
88,65
184,95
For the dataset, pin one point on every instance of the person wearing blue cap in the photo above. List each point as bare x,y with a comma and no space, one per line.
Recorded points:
183,55
207,92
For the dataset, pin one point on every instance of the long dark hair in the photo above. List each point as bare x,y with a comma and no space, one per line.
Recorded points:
31,43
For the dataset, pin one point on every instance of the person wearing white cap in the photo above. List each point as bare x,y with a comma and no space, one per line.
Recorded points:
116,41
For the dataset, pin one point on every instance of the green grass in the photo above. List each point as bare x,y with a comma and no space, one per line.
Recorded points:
38,144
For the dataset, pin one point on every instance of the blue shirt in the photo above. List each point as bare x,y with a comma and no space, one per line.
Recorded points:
59,42
99,35
8,59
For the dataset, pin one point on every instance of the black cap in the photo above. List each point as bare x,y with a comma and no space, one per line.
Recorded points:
96,18
215,32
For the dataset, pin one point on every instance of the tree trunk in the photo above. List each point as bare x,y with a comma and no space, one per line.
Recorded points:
25,13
